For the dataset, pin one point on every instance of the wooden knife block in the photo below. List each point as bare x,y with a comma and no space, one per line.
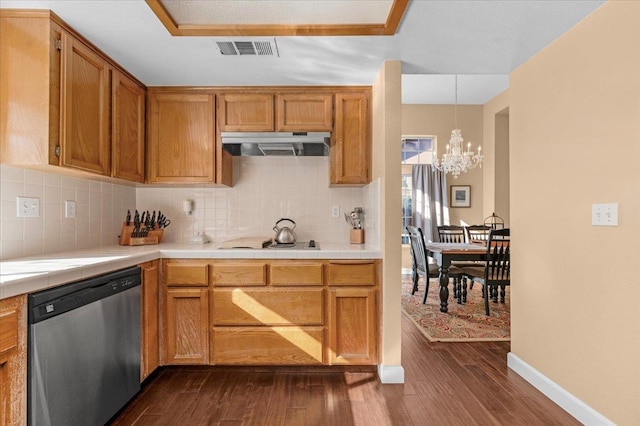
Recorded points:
356,236
154,237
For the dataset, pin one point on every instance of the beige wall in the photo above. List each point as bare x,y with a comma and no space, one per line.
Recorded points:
438,120
386,167
496,157
575,140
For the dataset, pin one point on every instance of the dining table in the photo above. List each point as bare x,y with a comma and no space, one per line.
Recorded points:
444,254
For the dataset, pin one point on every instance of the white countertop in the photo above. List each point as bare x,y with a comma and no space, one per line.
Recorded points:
31,274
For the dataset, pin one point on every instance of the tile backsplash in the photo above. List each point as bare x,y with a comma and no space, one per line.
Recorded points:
99,209
265,190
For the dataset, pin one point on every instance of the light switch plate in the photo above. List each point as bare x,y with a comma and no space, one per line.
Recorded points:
604,214
28,207
335,211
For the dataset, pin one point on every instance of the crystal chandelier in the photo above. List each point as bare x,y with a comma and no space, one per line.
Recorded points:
455,160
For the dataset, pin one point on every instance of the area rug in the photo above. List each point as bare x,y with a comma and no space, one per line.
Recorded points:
464,322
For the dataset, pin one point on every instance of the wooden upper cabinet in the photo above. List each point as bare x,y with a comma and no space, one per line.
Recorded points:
85,98
350,152
245,112
127,128
304,112
75,110
181,140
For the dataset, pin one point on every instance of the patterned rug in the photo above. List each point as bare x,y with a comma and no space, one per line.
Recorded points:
463,323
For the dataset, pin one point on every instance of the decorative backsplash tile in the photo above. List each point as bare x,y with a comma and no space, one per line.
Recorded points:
100,207
265,190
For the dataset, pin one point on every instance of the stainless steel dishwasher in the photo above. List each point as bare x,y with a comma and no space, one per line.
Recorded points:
84,349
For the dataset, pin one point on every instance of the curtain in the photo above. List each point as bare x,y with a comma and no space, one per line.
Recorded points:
430,207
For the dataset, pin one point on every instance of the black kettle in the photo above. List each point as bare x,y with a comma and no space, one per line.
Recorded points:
285,235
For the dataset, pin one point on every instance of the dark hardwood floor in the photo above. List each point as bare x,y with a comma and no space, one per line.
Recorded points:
445,384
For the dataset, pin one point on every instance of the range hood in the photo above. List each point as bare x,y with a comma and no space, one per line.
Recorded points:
289,144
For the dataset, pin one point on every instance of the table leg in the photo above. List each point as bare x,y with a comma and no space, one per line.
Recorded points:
464,289
444,287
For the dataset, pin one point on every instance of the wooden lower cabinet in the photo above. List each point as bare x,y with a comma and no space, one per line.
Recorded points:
187,326
13,361
352,326
270,312
150,351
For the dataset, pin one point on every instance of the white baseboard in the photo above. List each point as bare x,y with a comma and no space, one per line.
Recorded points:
391,374
572,405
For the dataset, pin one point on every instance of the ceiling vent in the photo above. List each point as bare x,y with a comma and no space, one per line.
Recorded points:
248,48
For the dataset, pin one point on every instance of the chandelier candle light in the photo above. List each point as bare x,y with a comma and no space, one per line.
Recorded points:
456,161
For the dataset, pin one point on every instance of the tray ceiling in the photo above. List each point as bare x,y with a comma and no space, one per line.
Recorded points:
279,18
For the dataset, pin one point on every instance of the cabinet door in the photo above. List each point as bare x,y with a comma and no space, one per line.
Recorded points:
181,138
187,322
352,326
245,112
150,300
350,154
13,361
304,112
84,139
127,128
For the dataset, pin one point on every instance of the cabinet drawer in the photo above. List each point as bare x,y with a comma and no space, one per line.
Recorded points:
267,346
8,330
267,306
240,274
296,274
185,274
351,273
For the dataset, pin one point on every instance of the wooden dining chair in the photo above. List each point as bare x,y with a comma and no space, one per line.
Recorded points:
496,272
477,233
421,266
451,234
456,234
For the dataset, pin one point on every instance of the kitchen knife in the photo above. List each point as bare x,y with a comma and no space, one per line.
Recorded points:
136,224
128,219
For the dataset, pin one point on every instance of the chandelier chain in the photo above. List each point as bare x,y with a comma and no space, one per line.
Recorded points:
455,106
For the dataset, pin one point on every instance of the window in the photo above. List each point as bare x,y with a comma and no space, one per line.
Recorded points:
415,150
407,217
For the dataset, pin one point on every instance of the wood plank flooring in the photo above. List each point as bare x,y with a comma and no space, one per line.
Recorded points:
445,384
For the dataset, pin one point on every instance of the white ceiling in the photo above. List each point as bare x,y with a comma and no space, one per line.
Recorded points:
481,40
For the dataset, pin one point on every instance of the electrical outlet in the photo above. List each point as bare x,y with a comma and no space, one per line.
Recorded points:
28,207
335,211
69,209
